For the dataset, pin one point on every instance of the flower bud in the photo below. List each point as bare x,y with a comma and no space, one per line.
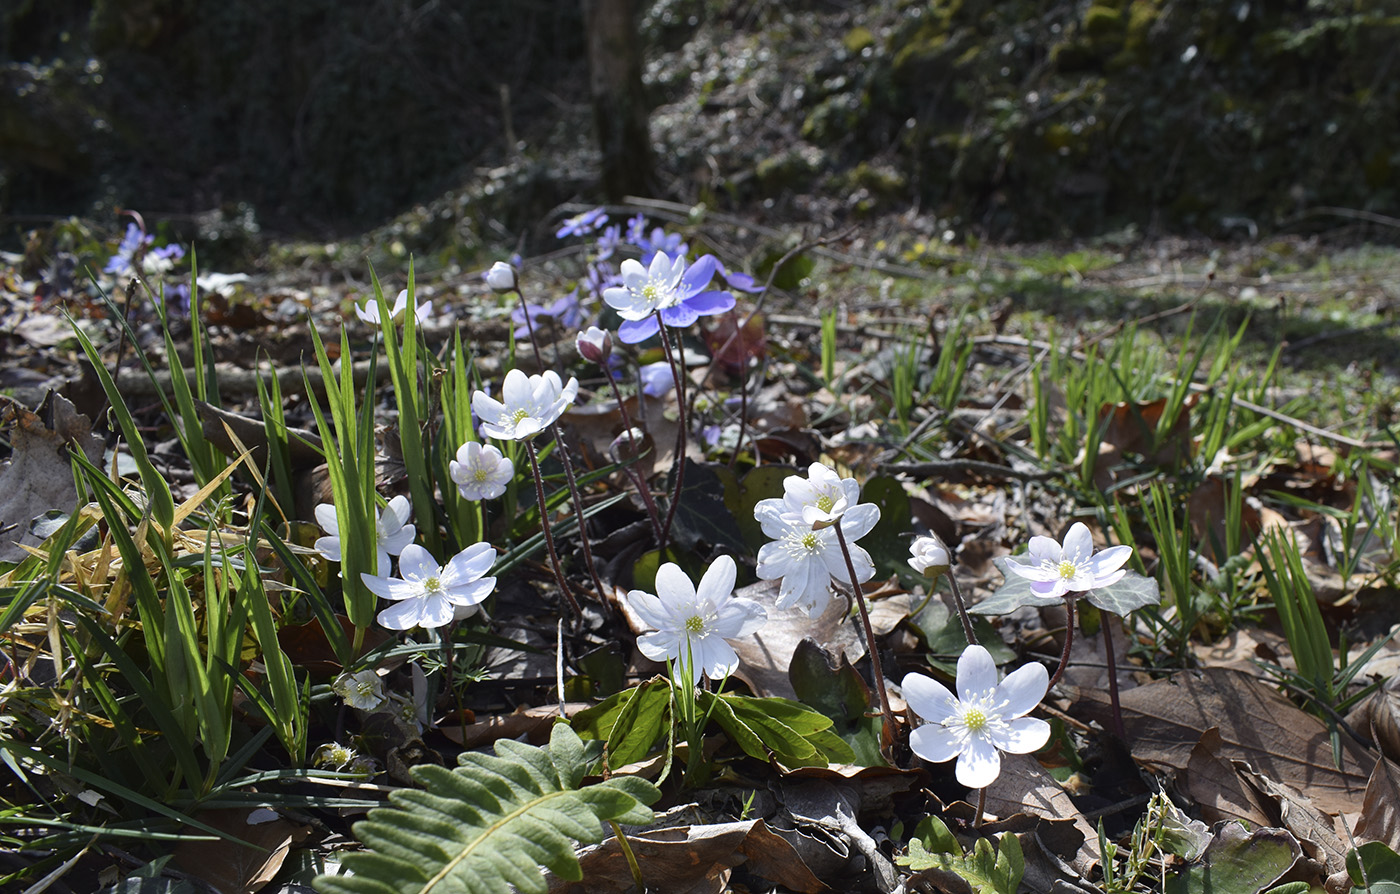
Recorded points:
633,443
501,277
929,556
594,345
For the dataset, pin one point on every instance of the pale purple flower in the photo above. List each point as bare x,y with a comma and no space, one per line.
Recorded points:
679,293
692,623
566,310
607,243
657,379
426,593
582,224
661,242
392,533
528,405
1055,570
735,279
984,718
481,472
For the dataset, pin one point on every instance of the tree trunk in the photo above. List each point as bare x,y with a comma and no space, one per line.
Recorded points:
619,103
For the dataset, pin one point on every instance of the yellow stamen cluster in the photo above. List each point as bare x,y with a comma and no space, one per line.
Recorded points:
695,624
1067,569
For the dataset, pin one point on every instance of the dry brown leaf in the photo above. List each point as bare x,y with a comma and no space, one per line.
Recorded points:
532,722
691,860
1239,649
39,475
1315,830
1215,785
240,868
764,658
1164,720
1024,786
1380,811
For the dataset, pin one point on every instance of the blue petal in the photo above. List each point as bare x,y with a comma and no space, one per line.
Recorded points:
633,331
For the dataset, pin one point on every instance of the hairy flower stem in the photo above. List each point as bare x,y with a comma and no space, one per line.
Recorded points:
962,609
530,328
548,535
981,808
678,373
631,471
1069,640
578,512
1112,680
876,665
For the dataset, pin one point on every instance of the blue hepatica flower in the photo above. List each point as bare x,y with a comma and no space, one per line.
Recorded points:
131,243
566,311
679,293
582,224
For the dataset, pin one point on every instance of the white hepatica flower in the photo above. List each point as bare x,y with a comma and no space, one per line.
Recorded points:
528,405
982,720
480,471
363,691
1055,570
695,620
428,593
370,312
391,531
928,555
821,498
646,290
806,559
501,277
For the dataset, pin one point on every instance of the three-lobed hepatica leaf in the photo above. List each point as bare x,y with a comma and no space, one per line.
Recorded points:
1129,594
488,825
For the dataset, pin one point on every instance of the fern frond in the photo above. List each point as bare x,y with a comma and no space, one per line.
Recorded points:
490,824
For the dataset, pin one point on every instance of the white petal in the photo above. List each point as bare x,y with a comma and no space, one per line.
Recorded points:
660,645
516,390
416,563
401,616
329,547
380,586
325,517
929,698
470,593
1079,543
934,743
1023,689
469,564
1109,561
977,673
979,765
651,610
1044,550
396,542
740,617
859,520
717,583
714,656
1024,735
397,513
673,585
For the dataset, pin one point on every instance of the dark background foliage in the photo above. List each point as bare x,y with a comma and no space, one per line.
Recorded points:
1018,119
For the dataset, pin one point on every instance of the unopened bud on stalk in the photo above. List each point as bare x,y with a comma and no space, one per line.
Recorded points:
929,556
594,345
501,277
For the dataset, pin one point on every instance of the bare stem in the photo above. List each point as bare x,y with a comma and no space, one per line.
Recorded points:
981,808
876,665
578,512
530,328
548,535
631,471
1069,639
962,609
1112,677
678,373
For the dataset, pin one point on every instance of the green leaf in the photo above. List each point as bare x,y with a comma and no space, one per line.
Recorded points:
761,483
888,541
490,824
1129,594
643,719
840,694
1382,869
701,515
1237,862
986,870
